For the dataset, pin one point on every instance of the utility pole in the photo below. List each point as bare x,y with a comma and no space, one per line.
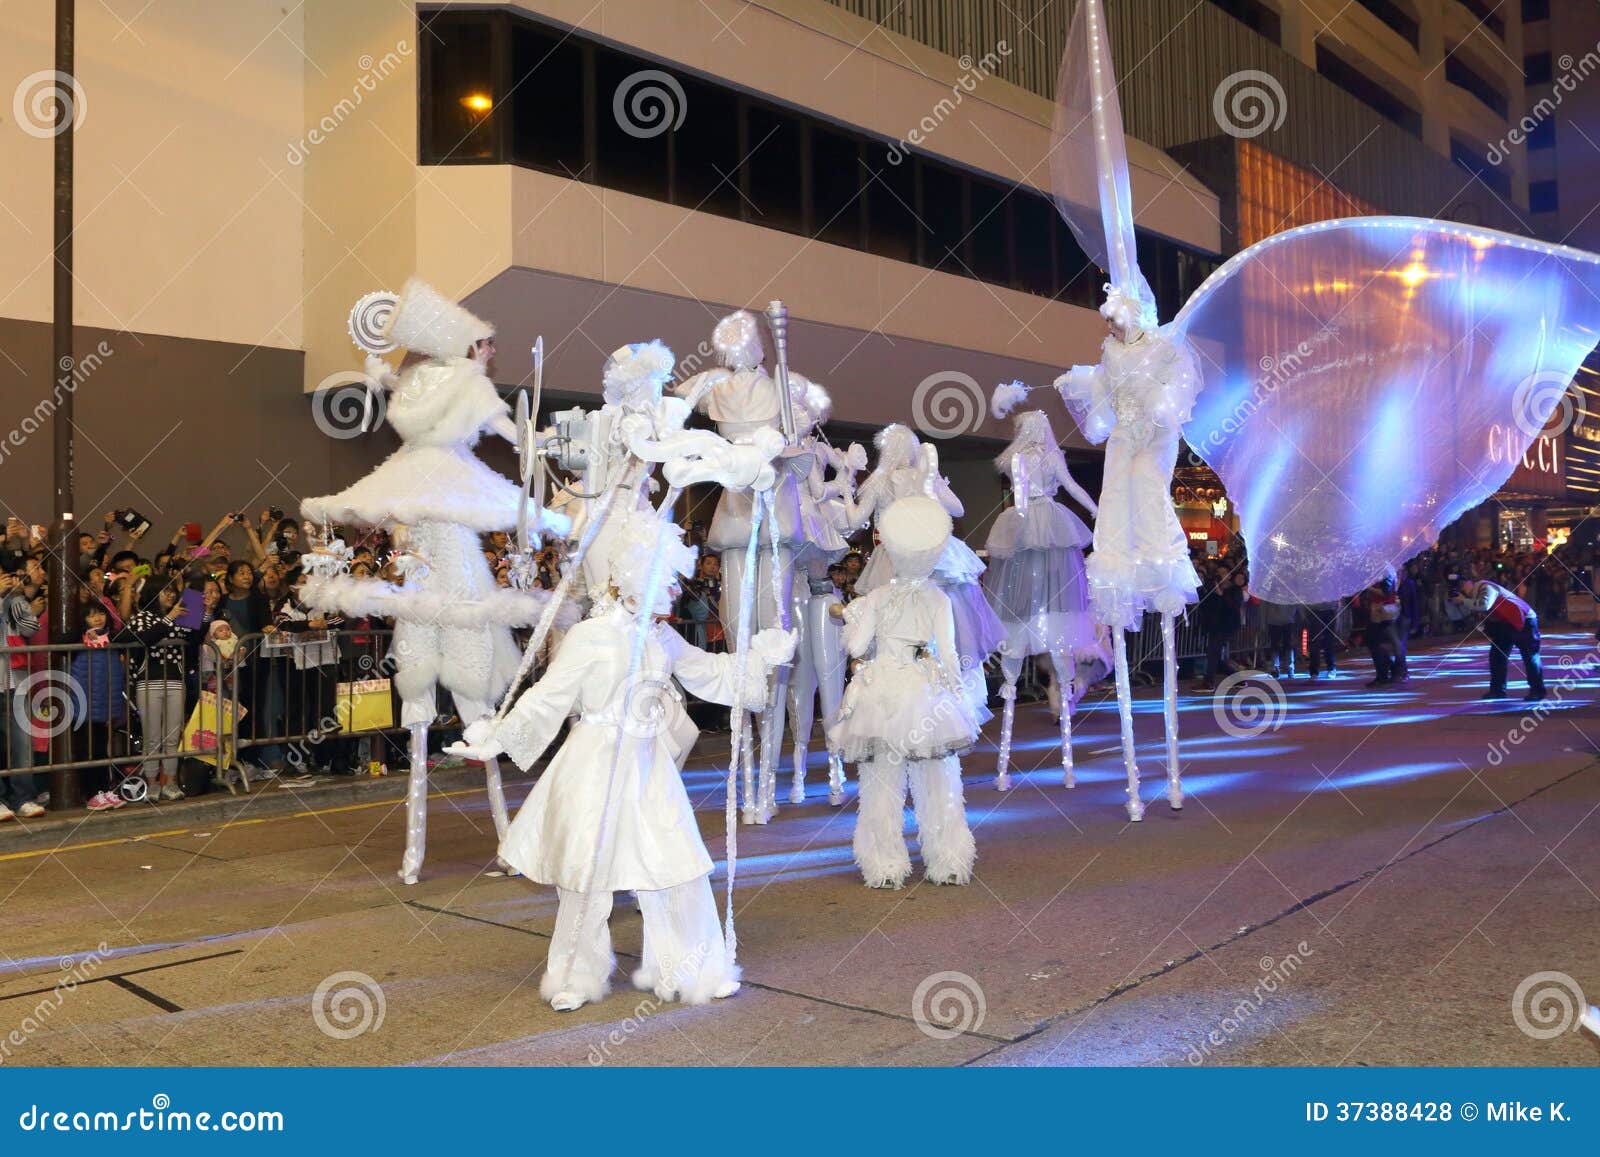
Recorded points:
66,789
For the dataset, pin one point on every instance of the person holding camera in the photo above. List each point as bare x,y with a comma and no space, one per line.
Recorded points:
1509,622
19,618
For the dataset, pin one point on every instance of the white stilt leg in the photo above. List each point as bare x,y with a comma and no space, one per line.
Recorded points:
744,736
835,780
1169,707
497,796
797,788
1008,714
416,806
1065,671
1119,651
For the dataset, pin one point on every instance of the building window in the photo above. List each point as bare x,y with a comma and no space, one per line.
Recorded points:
1473,161
1461,74
1536,68
460,111
837,204
1368,91
1534,11
1489,14
1254,15
1396,17
1542,197
499,88
1543,135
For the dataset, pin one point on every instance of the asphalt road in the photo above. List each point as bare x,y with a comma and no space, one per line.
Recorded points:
1367,880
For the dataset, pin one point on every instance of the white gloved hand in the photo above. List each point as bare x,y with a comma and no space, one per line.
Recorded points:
478,742
775,647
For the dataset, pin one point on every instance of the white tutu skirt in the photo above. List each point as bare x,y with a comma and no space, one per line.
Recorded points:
1044,525
902,710
979,631
1042,600
1122,589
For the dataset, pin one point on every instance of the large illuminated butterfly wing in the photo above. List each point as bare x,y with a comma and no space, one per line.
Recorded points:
1369,380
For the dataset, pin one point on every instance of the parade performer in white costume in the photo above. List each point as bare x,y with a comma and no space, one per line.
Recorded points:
1035,578
590,829
745,402
906,716
906,467
820,661
452,623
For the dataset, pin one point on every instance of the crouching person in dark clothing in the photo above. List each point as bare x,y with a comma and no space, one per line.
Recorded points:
1509,622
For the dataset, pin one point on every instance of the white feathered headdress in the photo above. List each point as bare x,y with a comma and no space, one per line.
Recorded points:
632,540
636,374
737,340
1007,396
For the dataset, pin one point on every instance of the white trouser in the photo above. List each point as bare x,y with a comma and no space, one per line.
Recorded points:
948,851
685,956
161,723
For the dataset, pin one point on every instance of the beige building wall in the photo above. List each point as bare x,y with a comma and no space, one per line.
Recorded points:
188,220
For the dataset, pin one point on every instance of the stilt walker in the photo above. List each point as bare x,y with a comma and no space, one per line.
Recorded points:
744,401
820,661
452,623
1035,576
1136,401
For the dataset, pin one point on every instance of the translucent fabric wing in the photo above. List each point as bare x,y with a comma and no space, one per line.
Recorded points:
1369,380
1089,158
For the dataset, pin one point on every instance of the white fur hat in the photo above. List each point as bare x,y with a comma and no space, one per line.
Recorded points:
915,531
427,322
636,373
737,340
812,402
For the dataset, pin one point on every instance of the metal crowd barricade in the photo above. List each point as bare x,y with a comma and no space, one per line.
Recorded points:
259,703
1248,647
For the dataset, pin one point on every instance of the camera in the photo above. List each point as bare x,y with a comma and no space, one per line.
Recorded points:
1453,589
133,522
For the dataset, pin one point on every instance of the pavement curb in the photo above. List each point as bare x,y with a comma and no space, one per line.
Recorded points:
218,808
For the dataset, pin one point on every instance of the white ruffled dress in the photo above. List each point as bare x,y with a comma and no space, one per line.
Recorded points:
1136,402
1036,579
908,702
